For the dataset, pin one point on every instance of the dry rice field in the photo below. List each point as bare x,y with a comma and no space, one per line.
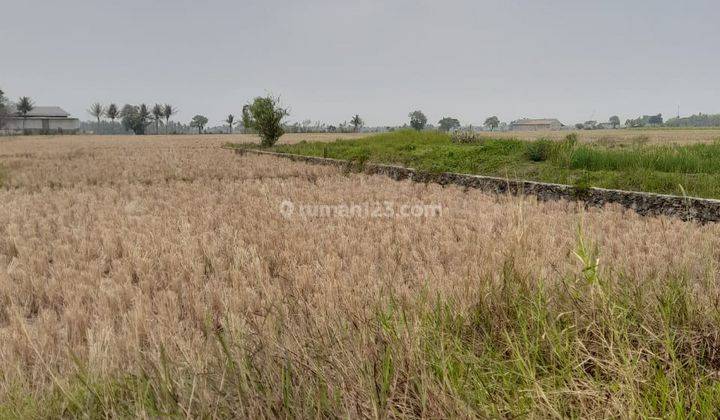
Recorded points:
144,277
647,136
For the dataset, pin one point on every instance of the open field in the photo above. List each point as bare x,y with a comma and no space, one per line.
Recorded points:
154,276
649,135
682,169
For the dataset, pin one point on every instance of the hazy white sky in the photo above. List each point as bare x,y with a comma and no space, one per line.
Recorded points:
329,59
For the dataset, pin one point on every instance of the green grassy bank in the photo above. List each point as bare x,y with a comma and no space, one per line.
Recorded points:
692,170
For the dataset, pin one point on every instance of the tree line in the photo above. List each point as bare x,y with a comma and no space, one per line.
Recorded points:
135,118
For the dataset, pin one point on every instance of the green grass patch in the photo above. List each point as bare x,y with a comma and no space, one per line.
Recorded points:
669,169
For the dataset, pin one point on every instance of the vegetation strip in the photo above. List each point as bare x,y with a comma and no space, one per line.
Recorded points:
646,204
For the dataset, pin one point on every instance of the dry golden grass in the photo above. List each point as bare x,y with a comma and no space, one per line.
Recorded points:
141,276
650,136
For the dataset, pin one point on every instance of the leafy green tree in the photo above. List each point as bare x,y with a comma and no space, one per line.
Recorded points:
615,121
158,113
135,118
356,122
655,119
97,111
230,120
418,120
168,111
24,106
492,122
579,126
265,115
199,122
447,124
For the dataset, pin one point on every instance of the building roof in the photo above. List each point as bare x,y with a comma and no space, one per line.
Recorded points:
43,111
544,121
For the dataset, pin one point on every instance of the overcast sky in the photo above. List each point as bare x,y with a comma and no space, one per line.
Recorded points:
329,59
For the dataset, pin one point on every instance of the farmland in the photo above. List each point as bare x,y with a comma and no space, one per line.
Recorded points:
626,163
623,136
151,276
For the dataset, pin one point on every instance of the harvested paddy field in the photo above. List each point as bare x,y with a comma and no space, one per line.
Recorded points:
628,136
165,276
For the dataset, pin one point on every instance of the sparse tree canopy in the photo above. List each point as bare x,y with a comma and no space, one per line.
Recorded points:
135,118
615,121
357,122
230,120
265,115
448,124
492,122
97,111
418,120
158,113
199,122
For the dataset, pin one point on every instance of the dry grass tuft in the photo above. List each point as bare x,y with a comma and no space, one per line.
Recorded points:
154,276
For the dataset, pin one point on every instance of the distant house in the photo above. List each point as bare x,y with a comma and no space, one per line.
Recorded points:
41,120
527,124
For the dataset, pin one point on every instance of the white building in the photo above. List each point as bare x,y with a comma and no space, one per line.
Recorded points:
41,120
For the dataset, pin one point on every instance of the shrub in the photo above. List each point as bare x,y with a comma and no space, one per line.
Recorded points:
539,150
265,115
464,136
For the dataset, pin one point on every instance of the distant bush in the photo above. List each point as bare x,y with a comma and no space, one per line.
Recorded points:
539,150
560,152
465,136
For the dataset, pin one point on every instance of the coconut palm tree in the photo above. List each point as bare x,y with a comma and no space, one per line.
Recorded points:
112,112
24,106
97,111
357,122
168,111
158,113
144,115
230,120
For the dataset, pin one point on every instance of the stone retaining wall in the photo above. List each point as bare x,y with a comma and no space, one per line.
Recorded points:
647,204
